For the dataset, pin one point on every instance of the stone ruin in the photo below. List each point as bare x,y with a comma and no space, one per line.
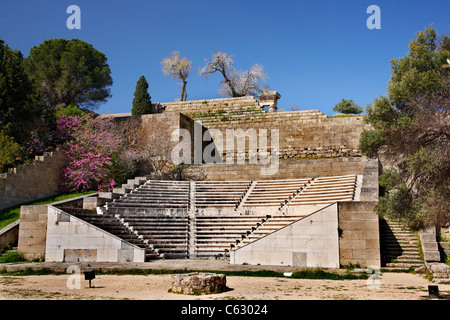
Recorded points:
198,283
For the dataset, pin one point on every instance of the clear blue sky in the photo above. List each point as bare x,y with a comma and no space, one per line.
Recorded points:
314,52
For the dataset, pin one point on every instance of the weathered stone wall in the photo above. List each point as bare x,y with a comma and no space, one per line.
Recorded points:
194,107
308,134
33,231
302,134
359,239
32,182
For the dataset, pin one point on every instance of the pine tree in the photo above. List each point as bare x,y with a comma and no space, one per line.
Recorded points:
141,101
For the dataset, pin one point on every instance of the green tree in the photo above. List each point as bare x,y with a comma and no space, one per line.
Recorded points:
141,101
69,72
347,107
17,97
10,151
411,134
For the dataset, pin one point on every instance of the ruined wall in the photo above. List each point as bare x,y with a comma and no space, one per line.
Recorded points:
195,108
32,182
302,134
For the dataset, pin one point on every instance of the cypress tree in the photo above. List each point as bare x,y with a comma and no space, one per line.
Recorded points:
141,101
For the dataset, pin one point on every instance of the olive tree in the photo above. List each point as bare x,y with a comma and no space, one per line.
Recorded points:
235,83
179,69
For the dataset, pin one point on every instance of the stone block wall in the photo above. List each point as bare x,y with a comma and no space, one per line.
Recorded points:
33,231
359,239
310,242
206,106
32,182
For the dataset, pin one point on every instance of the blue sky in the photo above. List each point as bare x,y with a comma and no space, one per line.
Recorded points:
314,52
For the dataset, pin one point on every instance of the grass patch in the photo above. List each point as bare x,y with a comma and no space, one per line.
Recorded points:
324,275
29,272
12,257
10,215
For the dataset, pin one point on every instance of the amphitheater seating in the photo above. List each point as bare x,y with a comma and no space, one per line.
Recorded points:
163,215
167,235
219,194
324,190
215,234
274,192
153,194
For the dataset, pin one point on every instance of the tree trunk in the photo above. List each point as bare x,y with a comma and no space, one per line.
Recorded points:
183,91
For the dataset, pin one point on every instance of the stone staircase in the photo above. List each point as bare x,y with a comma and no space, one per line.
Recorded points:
167,235
215,234
399,246
326,190
113,225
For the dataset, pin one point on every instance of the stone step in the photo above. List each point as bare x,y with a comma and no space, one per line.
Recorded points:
403,265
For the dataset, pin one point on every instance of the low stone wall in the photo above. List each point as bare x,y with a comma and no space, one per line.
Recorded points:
32,182
359,239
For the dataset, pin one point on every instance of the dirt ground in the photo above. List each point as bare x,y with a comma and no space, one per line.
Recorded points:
391,286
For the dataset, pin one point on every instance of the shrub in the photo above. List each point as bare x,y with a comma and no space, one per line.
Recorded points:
10,151
90,144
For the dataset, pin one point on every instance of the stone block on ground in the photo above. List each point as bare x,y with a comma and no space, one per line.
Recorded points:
198,283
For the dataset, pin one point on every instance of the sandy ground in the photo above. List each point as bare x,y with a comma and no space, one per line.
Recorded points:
392,286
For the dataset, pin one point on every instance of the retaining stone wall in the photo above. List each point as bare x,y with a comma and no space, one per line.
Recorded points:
32,182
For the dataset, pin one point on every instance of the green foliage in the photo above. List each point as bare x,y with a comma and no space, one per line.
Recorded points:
17,107
410,130
69,72
348,107
321,274
369,143
70,110
10,151
141,101
12,257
